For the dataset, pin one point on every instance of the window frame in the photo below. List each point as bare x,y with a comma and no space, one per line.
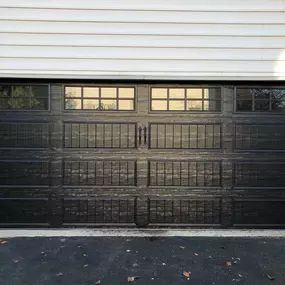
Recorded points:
185,87
253,111
117,98
28,109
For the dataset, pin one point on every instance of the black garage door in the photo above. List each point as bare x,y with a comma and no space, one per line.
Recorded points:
145,154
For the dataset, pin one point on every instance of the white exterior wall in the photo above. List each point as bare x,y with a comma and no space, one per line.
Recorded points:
147,39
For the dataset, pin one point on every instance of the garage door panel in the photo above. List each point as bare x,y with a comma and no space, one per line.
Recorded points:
24,172
98,211
258,137
100,173
185,173
259,212
24,135
259,174
184,136
99,135
185,211
24,211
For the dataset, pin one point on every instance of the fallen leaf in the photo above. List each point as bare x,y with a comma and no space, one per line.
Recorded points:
86,265
59,274
229,263
182,247
270,277
132,278
4,241
187,274
98,282
197,254
239,275
128,250
15,260
163,264
222,247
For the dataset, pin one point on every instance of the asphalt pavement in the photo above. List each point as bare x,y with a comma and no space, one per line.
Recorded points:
142,260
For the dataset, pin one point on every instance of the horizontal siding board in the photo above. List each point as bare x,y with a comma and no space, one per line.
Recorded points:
142,29
140,65
220,5
143,16
143,41
149,75
140,53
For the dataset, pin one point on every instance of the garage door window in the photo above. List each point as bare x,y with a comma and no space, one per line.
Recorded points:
186,99
260,100
99,98
24,97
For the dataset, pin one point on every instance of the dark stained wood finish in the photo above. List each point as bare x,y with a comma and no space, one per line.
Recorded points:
95,168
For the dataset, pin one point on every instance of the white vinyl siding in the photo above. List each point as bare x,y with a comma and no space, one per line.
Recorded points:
182,39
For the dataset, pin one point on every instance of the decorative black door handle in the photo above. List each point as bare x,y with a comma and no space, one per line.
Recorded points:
140,136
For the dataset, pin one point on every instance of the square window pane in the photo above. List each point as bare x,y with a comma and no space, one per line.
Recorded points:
159,105
72,104
21,91
126,93
108,92
126,105
177,105
278,94
210,105
261,93
108,105
90,92
159,93
278,106
194,93
73,92
91,104
261,105
4,103
244,105
39,104
40,91
20,103
176,93
4,91
244,94
195,105
212,93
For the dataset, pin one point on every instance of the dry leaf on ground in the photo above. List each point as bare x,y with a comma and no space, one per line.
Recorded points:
4,242
270,277
196,254
132,278
182,247
187,274
98,282
229,263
